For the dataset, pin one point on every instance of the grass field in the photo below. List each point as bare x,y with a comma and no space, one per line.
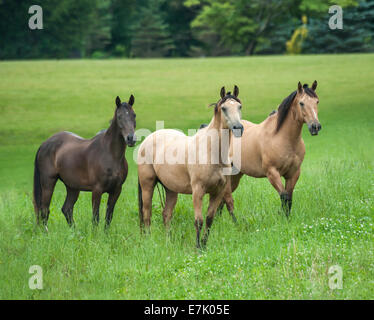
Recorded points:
264,256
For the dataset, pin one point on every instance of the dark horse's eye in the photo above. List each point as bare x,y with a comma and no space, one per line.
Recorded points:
302,104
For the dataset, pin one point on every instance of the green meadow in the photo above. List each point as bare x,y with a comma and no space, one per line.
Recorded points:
263,256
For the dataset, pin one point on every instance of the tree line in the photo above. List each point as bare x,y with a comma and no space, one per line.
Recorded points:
183,28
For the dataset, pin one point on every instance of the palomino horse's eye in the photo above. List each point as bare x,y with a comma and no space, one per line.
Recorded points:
302,104
224,109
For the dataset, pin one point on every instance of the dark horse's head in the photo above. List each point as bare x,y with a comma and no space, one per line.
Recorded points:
125,117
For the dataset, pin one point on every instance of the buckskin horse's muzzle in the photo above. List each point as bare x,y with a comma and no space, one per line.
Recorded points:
314,128
238,130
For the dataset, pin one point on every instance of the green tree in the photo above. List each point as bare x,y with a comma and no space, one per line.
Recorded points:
240,24
357,34
151,34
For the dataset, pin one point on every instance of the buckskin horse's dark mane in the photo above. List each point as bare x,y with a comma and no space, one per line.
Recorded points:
223,100
285,106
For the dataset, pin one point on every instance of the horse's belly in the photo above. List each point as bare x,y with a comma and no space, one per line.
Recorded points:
174,177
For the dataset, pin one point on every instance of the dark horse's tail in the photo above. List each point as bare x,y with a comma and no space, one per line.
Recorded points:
37,186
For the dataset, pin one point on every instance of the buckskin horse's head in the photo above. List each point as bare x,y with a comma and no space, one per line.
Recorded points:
125,117
231,111
307,101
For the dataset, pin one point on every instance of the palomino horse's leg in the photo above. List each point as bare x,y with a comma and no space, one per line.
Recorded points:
48,186
290,185
197,197
214,201
68,207
96,198
275,179
112,200
170,202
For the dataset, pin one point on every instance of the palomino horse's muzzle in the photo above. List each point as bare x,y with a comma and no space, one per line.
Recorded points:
130,140
314,128
238,130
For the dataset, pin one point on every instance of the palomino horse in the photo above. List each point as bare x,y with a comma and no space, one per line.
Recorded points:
275,148
97,165
196,178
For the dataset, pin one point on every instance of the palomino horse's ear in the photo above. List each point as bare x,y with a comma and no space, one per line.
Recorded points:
236,91
300,87
314,86
223,92
118,102
131,100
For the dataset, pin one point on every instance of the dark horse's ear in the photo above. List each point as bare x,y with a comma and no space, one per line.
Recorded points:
223,92
314,86
236,91
118,102
300,87
131,100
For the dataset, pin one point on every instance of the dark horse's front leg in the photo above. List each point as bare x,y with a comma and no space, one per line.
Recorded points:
96,199
112,200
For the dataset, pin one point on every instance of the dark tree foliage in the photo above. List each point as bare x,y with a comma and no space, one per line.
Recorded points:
179,28
151,36
357,34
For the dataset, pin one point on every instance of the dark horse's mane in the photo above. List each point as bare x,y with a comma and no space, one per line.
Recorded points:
285,106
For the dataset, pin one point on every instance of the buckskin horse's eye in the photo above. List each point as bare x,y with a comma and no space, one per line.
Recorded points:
224,109
302,104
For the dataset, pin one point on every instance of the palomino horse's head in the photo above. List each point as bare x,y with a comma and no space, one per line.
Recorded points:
231,111
307,102
125,117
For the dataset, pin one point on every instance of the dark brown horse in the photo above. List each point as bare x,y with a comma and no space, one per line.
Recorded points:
97,165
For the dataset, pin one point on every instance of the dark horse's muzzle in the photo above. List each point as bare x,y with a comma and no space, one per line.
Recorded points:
314,128
238,130
130,140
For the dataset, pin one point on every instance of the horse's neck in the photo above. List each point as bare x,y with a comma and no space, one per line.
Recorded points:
216,124
115,140
292,127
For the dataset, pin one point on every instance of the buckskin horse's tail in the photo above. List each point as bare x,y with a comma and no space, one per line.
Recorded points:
37,187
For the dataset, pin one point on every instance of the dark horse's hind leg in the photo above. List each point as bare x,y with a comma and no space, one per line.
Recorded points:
112,200
48,186
68,207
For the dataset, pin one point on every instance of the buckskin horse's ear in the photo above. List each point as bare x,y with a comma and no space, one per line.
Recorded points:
300,87
236,91
131,100
314,86
118,102
223,92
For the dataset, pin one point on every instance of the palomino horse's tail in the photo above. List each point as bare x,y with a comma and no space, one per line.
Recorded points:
37,186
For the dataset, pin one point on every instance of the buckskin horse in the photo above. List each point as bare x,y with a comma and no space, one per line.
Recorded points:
185,177
275,148
97,165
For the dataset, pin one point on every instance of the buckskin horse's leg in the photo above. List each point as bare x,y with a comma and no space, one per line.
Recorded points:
96,198
112,200
290,185
214,201
275,179
197,197
68,207
170,202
